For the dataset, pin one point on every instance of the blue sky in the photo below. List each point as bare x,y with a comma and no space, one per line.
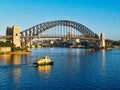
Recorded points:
98,15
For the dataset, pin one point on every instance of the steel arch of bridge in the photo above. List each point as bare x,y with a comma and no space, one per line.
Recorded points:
37,29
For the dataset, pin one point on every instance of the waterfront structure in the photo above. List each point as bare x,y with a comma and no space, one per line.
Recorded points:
15,33
102,40
5,49
64,29
77,40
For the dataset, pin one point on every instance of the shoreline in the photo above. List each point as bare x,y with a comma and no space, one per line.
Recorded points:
28,52
112,48
17,52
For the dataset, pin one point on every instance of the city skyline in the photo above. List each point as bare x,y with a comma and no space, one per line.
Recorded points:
98,15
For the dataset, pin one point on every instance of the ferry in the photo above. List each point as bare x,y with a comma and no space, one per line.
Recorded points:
46,60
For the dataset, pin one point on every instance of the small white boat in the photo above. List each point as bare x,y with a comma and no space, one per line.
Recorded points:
44,61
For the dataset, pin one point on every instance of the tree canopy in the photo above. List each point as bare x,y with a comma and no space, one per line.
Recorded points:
6,44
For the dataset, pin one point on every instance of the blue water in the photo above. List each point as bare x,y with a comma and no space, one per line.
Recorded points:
73,69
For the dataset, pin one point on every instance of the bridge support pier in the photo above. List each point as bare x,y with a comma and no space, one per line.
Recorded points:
102,42
15,33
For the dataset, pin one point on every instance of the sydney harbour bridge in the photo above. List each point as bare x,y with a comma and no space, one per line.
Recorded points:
64,29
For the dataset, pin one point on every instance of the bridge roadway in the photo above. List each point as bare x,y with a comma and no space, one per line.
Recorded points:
71,37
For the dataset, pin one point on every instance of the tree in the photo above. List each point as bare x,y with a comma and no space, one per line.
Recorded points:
8,44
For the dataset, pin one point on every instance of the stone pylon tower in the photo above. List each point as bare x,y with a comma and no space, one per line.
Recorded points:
15,33
9,32
102,40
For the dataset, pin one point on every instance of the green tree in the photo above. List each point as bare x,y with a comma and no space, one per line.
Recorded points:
8,44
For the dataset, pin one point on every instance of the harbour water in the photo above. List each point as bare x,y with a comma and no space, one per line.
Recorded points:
73,69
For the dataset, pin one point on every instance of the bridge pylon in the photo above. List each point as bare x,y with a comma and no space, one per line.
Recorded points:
15,33
102,40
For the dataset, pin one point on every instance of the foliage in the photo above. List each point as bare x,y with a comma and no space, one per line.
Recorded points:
8,44
116,43
15,48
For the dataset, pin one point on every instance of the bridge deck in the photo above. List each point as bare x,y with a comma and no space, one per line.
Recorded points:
32,37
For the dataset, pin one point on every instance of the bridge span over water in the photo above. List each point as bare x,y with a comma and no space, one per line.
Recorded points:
52,29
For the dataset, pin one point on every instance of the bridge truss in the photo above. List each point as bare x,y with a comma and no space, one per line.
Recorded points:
57,29
37,30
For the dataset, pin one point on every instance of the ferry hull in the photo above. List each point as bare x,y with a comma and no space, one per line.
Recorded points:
41,64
